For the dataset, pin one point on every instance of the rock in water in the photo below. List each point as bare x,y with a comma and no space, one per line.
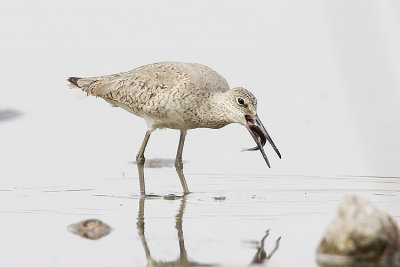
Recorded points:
91,229
360,233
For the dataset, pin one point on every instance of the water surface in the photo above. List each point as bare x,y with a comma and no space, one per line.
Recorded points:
297,208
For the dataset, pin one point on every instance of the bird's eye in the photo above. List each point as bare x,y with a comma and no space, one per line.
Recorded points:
240,101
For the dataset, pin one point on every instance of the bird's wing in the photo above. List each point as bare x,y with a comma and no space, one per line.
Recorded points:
165,80
134,88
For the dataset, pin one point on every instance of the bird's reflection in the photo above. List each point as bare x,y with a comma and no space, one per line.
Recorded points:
183,259
261,256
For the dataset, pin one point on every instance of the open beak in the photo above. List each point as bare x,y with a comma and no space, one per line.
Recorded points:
260,135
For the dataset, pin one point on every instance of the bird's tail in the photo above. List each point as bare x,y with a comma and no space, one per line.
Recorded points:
92,86
97,86
73,82
82,83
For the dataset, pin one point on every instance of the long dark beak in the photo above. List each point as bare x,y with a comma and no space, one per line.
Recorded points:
260,135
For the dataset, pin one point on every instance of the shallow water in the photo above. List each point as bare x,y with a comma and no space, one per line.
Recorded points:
297,208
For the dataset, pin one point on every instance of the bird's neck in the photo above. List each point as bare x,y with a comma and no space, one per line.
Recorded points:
217,111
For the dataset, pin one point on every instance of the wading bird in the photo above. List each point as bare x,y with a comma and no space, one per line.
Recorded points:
180,96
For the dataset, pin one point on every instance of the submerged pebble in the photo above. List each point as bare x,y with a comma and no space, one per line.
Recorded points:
91,229
172,197
158,163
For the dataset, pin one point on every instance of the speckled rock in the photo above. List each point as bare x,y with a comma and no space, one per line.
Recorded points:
91,229
360,233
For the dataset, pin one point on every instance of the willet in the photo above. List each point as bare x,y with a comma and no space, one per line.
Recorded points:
180,96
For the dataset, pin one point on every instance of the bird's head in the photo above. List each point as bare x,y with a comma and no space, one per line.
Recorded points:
242,107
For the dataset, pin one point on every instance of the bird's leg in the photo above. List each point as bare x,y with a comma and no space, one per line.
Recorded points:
179,163
140,162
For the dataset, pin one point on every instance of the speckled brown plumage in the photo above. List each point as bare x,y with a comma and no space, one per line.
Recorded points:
180,96
167,95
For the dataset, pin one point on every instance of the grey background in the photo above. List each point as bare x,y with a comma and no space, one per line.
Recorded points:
326,74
